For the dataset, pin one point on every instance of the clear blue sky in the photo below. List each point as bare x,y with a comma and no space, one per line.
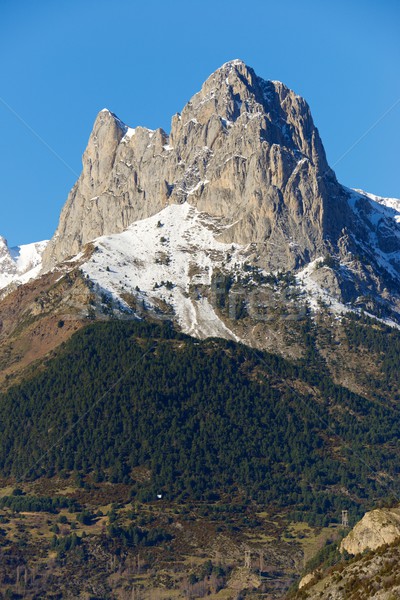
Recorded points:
63,61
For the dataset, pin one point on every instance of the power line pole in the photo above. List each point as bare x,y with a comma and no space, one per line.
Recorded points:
261,562
247,559
345,518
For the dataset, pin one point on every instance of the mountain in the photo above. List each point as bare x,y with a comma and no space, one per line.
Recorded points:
243,154
233,225
149,457
20,263
242,148
244,161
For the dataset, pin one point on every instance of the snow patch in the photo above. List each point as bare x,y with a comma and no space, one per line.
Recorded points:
383,218
393,203
315,294
197,186
130,131
166,259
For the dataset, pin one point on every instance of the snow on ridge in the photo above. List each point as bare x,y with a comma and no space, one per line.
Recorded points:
383,216
380,199
28,256
314,292
162,259
21,263
393,204
230,64
317,296
130,131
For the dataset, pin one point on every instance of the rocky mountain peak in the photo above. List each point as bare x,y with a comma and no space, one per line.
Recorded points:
242,148
235,93
107,132
247,152
7,264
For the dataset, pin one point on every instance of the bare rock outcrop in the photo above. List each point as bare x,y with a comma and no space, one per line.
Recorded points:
376,528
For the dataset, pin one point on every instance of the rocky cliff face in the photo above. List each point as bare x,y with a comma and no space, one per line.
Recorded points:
242,148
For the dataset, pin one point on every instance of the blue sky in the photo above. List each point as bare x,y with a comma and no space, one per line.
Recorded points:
61,62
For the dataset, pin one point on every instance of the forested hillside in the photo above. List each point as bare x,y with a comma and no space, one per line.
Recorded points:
204,418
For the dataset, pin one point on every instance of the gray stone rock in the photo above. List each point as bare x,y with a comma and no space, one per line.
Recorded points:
376,528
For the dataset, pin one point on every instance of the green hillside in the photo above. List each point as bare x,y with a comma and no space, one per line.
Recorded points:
201,419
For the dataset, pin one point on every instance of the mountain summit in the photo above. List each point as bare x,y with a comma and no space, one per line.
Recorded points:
242,148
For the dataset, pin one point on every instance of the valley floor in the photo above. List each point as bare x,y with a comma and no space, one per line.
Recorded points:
94,541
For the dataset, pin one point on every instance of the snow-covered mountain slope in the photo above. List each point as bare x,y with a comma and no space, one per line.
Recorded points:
389,202
320,286
173,266
168,266
165,262
382,219
20,263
